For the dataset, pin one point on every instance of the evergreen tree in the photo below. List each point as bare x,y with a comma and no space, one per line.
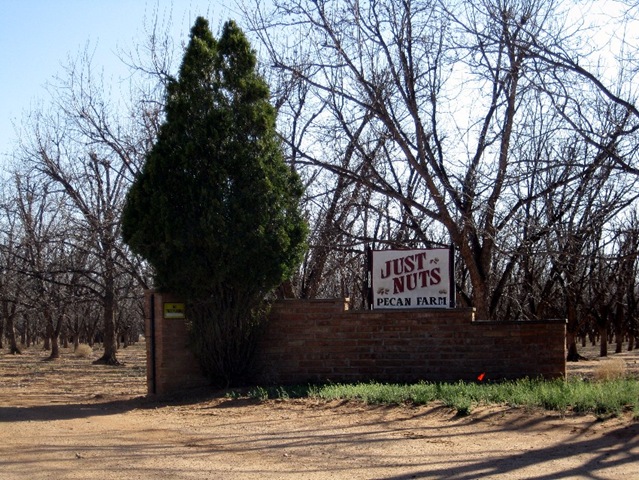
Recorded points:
215,209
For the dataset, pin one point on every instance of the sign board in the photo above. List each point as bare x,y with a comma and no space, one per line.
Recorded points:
419,278
174,310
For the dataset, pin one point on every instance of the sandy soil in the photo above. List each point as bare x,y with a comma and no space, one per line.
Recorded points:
70,419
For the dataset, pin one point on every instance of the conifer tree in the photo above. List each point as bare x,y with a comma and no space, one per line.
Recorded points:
215,209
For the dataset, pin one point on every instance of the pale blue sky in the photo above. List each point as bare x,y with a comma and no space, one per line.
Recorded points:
38,36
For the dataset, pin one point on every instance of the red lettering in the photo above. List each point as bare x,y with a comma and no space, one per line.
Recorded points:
411,281
386,272
435,276
409,264
421,259
424,277
398,285
398,266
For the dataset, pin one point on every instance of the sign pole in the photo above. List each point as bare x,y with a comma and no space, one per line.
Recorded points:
368,279
453,290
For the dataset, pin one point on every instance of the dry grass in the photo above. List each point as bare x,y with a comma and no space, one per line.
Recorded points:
83,351
610,369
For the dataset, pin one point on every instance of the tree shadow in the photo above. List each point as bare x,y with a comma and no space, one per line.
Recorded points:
98,406
69,411
617,448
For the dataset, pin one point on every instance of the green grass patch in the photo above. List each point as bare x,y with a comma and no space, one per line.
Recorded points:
603,398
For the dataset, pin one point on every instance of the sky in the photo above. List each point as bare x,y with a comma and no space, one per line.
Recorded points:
37,37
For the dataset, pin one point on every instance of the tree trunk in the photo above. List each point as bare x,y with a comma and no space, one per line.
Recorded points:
617,322
571,332
47,339
571,344
603,344
110,340
9,330
55,348
480,302
631,342
54,335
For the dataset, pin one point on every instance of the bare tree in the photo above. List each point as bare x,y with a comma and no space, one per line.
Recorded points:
626,238
11,279
84,148
456,99
40,219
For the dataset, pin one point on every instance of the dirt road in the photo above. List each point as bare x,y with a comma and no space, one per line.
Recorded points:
72,420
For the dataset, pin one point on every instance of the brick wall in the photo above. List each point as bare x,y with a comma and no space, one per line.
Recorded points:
321,340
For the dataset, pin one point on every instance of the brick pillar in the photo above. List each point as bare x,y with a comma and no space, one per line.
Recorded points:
171,366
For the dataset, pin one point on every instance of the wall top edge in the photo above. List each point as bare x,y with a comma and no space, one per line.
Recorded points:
562,321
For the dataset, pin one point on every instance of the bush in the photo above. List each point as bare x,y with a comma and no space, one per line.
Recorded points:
610,369
83,351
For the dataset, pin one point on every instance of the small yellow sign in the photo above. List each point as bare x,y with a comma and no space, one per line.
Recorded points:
174,310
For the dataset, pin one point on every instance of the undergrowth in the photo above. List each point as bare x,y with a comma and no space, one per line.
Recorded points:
604,398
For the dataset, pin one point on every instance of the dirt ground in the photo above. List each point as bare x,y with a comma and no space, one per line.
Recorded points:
69,419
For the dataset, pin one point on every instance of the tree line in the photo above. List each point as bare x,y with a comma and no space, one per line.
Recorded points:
505,128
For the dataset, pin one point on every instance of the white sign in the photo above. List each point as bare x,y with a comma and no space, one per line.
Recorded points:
412,278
